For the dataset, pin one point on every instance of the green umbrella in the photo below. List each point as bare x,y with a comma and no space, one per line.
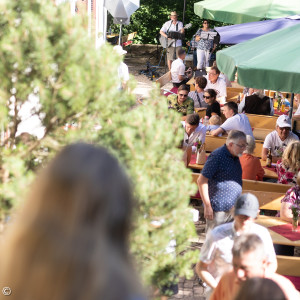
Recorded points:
270,61
244,11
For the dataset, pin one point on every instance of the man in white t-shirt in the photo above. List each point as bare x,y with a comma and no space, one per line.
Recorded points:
172,25
216,255
234,121
178,73
215,82
278,139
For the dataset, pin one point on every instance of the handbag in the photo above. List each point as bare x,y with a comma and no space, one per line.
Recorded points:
201,155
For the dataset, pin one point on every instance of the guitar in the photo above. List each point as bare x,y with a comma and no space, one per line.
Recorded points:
166,43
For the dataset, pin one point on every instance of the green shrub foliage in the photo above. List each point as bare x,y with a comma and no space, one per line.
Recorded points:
46,53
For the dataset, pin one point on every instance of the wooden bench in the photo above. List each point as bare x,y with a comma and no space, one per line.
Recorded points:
213,142
296,125
262,121
269,195
201,113
233,93
127,40
163,80
288,265
261,133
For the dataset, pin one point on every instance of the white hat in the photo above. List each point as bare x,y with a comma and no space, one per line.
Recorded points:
284,121
119,50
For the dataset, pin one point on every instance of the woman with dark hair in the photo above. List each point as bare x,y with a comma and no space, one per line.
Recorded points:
197,95
213,106
70,240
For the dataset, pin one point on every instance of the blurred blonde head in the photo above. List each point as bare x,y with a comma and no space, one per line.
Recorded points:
291,156
70,241
215,120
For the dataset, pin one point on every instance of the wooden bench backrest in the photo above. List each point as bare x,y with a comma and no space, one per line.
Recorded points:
296,125
128,37
288,265
213,142
261,121
232,93
269,195
131,36
201,113
164,79
261,133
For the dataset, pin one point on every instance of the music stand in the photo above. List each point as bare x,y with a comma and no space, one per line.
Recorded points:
175,35
208,35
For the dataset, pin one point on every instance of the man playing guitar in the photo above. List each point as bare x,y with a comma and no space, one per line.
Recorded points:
172,25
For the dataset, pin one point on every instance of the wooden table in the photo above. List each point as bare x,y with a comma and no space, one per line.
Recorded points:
268,173
267,221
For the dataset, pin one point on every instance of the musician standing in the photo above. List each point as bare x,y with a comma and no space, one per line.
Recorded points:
204,46
172,25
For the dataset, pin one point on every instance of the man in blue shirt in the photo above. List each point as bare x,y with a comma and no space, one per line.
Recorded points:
220,182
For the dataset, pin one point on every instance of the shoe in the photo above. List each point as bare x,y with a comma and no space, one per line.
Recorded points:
202,283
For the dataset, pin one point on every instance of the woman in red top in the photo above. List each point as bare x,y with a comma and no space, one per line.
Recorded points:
251,166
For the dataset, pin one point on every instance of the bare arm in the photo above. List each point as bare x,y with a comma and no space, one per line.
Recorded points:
163,34
202,272
216,132
264,155
202,182
181,77
214,48
296,118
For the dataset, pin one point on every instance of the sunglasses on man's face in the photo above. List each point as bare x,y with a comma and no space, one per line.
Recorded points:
182,95
206,97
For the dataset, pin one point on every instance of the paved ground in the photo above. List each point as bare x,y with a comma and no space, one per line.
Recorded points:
138,63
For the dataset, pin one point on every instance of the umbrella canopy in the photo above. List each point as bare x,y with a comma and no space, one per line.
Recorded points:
238,11
235,34
270,61
121,10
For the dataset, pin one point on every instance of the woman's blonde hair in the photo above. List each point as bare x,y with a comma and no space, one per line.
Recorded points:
291,156
70,241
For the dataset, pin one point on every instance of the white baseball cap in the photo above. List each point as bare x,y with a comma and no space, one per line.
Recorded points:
284,121
119,50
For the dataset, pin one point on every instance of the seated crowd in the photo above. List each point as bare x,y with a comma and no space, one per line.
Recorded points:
236,249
